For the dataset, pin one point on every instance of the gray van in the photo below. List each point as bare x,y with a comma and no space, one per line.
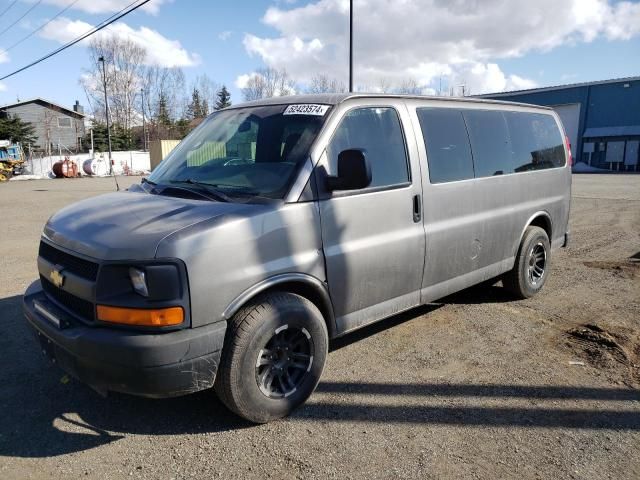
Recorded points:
280,224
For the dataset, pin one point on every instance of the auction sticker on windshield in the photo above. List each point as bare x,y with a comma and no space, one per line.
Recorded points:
306,109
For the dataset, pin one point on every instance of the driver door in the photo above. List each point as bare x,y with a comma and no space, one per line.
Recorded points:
373,239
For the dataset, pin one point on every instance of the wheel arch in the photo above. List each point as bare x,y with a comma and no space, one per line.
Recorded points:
540,219
301,284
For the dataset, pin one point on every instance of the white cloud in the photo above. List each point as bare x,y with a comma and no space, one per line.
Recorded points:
107,6
224,36
4,57
3,87
460,40
160,50
242,80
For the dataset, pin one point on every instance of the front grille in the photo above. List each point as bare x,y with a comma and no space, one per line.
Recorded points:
77,306
82,268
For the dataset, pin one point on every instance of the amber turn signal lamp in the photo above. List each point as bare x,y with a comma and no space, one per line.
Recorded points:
160,317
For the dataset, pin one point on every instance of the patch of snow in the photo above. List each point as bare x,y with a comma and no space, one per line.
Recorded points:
27,177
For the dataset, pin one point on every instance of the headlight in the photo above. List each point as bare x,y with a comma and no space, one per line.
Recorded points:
149,293
139,281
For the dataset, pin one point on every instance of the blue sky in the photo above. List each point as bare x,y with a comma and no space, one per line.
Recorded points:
491,45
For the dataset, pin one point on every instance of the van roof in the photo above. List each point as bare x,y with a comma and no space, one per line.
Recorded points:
337,98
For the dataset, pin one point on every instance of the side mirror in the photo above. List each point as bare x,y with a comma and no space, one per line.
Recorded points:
354,171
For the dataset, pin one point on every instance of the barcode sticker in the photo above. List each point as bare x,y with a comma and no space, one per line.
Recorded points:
307,109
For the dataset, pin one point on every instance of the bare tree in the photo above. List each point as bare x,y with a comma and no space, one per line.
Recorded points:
409,86
164,97
322,83
208,89
268,82
124,66
48,121
385,86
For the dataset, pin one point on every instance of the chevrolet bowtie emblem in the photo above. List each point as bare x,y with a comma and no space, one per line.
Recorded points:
56,277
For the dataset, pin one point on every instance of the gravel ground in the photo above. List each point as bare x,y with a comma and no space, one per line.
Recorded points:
477,386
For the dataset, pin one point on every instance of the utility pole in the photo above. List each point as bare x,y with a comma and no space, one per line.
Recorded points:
144,129
106,109
350,45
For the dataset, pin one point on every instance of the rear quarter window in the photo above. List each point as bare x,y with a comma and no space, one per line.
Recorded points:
536,141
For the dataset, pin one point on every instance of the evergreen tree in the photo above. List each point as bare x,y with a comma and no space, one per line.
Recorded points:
195,110
182,128
205,107
121,138
14,129
224,98
163,111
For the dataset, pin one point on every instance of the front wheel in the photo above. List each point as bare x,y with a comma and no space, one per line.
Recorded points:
273,357
531,269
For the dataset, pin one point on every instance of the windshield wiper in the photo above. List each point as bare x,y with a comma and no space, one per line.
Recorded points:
146,180
213,192
242,190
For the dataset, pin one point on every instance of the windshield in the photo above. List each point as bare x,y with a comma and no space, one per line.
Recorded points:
253,151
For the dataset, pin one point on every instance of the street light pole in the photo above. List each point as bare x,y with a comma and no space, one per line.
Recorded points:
350,45
144,129
106,109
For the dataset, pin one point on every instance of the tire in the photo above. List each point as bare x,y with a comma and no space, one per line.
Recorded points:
254,352
531,269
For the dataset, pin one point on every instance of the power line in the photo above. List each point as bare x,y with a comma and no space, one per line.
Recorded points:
41,26
97,28
9,7
23,15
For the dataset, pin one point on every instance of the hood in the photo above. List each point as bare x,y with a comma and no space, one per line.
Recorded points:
129,225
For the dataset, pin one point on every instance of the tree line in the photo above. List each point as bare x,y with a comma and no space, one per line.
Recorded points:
144,100
170,108
273,82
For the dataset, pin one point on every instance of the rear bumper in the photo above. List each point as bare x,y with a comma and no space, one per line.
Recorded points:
152,365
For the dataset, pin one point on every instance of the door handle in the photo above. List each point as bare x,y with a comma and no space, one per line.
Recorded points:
417,208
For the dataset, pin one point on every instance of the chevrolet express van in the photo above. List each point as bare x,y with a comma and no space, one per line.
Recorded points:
280,224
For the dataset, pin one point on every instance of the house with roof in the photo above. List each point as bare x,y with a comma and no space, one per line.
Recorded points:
56,127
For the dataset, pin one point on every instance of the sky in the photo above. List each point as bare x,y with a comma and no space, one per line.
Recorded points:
438,45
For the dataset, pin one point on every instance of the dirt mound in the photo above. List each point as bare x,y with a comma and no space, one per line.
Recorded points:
625,269
617,353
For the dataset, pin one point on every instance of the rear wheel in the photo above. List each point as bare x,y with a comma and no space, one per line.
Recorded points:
531,269
273,357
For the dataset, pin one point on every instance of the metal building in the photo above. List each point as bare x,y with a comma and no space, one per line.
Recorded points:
602,120
55,127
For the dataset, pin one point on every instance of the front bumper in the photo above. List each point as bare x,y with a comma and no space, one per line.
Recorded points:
108,359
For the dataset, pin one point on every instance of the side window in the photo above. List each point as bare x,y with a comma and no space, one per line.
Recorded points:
447,144
536,141
378,132
490,142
